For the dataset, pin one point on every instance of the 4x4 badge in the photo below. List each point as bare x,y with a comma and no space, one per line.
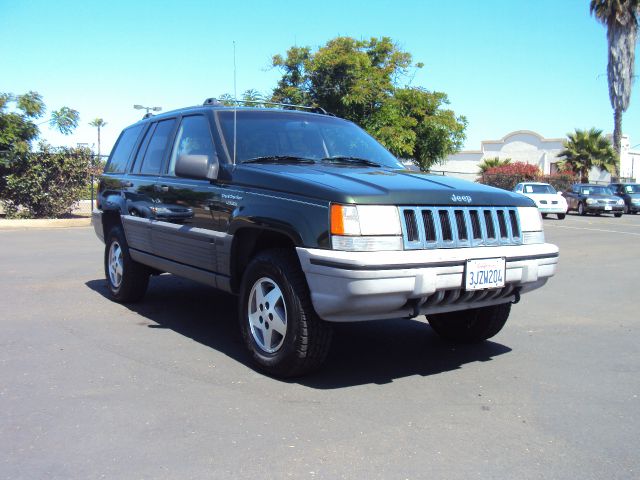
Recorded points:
461,198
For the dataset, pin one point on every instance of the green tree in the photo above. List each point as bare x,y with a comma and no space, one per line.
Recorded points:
360,80
621,19
253,98
64,120
586,149
98,123
19,129
488,163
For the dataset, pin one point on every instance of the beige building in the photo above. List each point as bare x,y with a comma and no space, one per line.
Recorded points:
530,147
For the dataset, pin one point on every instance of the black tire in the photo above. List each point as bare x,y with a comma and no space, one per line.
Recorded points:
470,326
561,216
617,215
307,338
544,215
131,283
581,209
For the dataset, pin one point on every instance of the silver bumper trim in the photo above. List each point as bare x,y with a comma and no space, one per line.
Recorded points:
355,286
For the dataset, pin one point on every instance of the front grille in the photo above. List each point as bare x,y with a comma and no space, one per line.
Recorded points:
454,227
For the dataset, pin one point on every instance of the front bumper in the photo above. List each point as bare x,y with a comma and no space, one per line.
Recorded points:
602,208
552,209
355,286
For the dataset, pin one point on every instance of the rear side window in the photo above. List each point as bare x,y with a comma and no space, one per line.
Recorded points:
152,160
122,150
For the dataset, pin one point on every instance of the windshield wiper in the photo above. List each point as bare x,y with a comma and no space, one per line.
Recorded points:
351,160
280,159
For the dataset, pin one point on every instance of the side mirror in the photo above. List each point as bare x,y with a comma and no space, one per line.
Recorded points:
197,166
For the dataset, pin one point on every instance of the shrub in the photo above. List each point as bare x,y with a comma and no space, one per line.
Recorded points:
508,176
46,184
562,181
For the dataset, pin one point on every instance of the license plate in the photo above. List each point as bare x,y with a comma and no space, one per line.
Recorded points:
607,207
485,273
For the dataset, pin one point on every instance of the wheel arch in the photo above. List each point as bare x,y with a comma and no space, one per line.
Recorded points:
250,241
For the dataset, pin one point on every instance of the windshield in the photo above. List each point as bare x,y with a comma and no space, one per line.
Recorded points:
595,190
283,136
632,188
539,189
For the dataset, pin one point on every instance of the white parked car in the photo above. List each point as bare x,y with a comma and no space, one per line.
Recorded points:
546,198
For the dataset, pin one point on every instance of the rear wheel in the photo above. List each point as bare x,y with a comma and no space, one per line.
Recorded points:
282,331
127,280
561,216
544,215
617,215
470,326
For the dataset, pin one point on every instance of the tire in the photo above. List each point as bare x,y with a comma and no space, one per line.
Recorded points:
617,215
285,337
561,216
470,326
544,215
581,210
127,280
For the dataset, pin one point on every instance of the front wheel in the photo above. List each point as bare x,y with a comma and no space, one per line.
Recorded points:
127,279
581,209
282,331
617,215
470,326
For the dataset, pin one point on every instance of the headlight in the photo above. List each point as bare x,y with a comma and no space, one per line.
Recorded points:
531,225
365,227
635,200
591,201
620,202
160,210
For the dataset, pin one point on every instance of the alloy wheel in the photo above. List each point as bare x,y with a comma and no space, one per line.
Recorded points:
116,267
267,315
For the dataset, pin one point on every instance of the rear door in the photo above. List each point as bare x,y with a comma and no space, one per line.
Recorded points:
140,190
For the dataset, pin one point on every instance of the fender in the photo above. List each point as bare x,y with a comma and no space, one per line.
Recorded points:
304,226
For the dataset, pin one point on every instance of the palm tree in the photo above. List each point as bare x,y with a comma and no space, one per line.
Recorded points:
98,123
64,120
621,19
493,162
585,149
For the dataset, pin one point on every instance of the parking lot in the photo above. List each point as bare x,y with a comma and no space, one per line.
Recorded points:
163,389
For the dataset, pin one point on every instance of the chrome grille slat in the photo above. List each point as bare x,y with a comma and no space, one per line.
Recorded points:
458,226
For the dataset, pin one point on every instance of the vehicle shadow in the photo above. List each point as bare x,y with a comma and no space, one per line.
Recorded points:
362,353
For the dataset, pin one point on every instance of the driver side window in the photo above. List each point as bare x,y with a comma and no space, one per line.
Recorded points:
193,138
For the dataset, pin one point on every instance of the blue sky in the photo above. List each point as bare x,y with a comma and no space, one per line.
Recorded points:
507,65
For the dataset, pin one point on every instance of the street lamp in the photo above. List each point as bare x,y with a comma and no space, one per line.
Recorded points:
148,109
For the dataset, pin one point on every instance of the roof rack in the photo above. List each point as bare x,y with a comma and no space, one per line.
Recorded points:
216,103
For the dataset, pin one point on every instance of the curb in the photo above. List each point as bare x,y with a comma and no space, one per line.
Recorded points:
44,223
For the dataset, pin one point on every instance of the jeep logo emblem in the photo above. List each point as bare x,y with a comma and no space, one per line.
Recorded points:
461,198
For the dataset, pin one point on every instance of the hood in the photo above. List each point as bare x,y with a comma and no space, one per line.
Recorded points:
366,185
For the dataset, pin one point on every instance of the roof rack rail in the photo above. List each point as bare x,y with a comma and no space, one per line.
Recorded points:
216,103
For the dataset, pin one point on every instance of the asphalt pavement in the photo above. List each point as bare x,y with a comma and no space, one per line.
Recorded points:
163,389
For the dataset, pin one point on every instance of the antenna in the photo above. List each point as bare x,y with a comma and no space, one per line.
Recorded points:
235,103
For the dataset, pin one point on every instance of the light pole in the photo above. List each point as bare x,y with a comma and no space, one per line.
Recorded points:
148,109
